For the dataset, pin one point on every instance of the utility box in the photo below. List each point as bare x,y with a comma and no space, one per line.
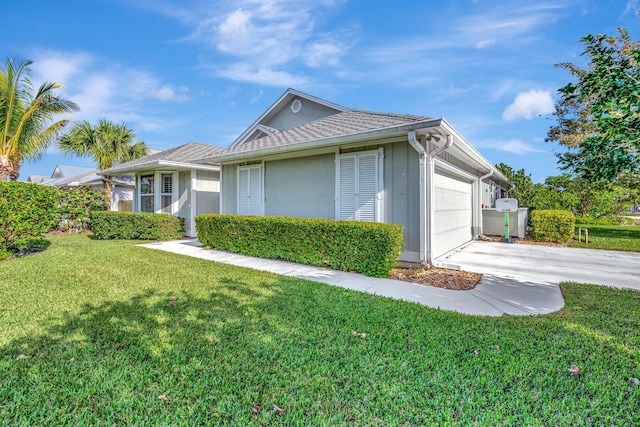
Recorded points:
493,222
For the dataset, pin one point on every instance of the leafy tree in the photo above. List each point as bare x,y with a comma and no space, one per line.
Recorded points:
599,115
107,143
524,190
27,123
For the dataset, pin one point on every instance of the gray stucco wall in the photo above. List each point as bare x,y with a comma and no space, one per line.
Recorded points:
302,187
310,111
402,191
207,192
184,197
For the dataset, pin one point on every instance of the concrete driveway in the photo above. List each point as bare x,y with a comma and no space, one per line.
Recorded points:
547,263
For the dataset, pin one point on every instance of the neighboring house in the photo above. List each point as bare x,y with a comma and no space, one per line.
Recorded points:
171,182
122,187
307,157
37,179
65,176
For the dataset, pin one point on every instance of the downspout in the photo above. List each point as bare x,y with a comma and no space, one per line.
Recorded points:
426,195
478,207
422,153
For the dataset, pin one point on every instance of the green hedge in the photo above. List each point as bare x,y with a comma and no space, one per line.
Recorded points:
76,205
136,225
553,225
27,211
364,247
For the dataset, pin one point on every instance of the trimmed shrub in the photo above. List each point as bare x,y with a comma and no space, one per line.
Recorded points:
76,205
27,211
553,225
365,247
136,225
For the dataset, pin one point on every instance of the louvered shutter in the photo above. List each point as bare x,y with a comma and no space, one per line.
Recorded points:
250,190
367,186
359,186
255,191
243,191
347,187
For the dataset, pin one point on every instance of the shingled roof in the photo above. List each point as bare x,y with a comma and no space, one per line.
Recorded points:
182,154
341,124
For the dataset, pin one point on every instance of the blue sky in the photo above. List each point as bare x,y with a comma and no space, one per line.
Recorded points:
204,70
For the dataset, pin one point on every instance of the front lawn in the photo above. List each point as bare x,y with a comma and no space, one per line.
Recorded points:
611,237
103,332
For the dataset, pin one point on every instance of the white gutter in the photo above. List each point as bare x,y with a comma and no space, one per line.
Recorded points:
426,195
478,205
155,164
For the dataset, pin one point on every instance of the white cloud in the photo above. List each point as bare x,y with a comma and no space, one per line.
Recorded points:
323,54
514,146
246,72
528,105
59,67
264,38
103,89
518,147
503,24
631,8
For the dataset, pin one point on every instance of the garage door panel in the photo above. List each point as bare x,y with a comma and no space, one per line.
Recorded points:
451,220
452,213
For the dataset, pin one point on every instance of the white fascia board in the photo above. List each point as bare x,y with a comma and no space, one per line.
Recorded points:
324,142
472,153
131,170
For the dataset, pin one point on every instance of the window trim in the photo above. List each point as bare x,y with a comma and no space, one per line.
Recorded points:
157,188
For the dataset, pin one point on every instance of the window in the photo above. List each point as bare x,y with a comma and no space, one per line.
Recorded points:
359,186
250,190
147,193
166,193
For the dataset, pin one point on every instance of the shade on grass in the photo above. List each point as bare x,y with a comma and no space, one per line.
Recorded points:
95,331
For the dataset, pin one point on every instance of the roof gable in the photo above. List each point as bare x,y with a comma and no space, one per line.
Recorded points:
341,124
63,171
292,109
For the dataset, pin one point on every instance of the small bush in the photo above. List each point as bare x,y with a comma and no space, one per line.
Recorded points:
553,225
76,205
589,220
27,211
136,225
364,247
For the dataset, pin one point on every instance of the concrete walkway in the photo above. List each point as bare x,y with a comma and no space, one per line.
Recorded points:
548,263
493,296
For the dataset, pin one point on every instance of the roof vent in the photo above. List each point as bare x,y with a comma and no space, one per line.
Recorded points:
296,106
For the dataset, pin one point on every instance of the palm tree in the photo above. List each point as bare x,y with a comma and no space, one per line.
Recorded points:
26,118
107,143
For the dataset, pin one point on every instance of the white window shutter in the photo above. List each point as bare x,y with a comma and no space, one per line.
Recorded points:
359,186
347,188
255,191
367,187
250,190
243,191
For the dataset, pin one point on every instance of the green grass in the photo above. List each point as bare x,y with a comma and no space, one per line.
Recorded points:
236,342
610,237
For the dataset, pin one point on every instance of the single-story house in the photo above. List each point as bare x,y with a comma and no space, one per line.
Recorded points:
171,182
308,157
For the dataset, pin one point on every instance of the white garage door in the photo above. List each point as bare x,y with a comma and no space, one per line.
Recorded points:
453,213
